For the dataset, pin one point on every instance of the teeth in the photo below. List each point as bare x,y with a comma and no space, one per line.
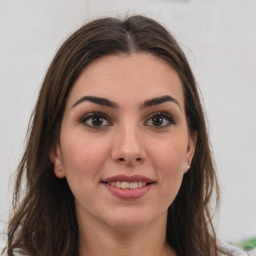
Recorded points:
125,185
139,184
119,184
133,185
128,185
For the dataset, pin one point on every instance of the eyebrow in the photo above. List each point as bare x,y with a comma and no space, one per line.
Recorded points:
147,103
158,101
97,100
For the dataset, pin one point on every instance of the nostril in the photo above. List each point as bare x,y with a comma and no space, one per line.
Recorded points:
138,159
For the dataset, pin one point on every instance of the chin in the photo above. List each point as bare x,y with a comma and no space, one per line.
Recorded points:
129,220
126,225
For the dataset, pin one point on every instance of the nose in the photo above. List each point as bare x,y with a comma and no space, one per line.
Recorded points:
128,147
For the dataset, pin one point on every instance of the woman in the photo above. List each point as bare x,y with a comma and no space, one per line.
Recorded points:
118,159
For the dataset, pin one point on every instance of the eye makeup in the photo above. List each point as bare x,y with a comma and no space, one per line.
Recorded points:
97,120
160,120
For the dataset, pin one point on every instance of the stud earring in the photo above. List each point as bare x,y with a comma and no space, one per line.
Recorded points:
59,170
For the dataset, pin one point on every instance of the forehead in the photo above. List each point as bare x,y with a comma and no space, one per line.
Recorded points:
127,79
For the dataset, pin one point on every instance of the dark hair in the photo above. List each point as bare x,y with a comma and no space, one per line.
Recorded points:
44,220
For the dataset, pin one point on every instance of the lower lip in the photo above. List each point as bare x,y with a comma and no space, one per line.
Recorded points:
129,193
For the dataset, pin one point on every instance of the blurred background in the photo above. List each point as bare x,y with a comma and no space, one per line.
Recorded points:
219,39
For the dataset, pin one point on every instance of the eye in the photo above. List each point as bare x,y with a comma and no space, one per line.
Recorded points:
160,119
95,120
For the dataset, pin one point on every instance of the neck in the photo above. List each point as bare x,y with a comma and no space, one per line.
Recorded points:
97,239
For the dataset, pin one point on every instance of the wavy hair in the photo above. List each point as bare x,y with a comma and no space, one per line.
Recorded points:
44,219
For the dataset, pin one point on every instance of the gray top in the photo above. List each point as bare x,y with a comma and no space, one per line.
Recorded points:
233,250
252,252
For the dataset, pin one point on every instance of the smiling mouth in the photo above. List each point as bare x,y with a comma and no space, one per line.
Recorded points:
124,182
128,185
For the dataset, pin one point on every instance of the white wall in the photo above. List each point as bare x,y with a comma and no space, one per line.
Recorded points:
219,38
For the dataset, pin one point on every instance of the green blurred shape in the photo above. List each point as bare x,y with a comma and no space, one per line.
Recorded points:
247,244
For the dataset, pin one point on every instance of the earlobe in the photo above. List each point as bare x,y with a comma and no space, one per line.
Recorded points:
56,159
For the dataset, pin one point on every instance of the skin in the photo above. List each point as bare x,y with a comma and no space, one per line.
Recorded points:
127,142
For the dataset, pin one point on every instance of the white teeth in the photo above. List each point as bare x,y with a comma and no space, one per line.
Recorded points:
133,185
128,185
118,184
125,185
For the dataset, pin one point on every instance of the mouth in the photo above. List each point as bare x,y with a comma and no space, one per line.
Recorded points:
128,182
128,187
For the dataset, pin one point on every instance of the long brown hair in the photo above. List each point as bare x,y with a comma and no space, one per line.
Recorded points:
44,220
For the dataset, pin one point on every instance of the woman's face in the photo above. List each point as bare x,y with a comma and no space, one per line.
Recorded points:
124,141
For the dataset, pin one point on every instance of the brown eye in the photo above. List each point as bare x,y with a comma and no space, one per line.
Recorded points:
160,120
95,120
157,121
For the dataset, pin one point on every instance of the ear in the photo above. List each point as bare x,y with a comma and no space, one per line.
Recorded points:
191,149
56,159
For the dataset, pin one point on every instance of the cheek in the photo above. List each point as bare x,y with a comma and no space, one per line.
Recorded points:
169,163
169,156
83,156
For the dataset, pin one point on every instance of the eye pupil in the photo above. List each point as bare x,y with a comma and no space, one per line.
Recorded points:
97,121
157,121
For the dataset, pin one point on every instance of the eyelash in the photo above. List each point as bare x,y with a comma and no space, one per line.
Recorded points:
163,115
87,117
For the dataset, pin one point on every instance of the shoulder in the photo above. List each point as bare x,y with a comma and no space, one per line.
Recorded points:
233,250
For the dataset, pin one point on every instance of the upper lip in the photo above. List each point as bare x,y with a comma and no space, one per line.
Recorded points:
126,178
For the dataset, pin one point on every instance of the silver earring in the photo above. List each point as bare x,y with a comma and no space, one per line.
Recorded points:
59,170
